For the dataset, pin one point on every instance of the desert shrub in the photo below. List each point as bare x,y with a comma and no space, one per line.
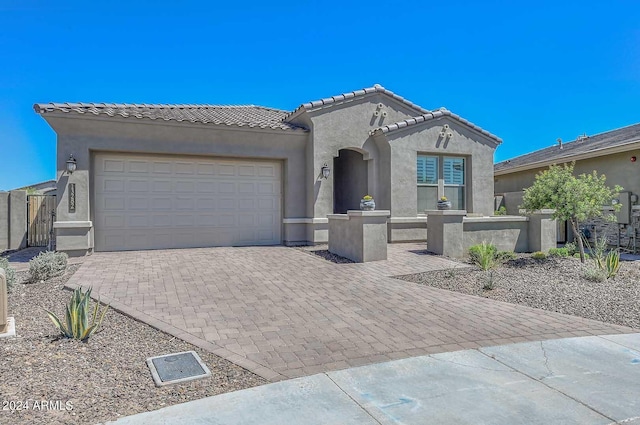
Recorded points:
500,211
612,263
483,255
598,250
47,265
595,274
80,323
571,248
558,252
9,272
577,255
538,255
506,255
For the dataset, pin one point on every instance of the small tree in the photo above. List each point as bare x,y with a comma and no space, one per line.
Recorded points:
575,199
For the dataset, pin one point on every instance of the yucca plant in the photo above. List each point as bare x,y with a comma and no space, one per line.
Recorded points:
612,263
76,324
483,255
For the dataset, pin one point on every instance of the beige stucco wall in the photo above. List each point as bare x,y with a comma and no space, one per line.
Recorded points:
617,167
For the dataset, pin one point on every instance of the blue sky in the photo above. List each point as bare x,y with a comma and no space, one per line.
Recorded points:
529,72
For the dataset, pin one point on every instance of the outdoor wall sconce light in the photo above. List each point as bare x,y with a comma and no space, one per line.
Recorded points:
326,171
71,164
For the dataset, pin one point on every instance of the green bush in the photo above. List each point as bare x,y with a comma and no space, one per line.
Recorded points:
612,263
483,255
571,248
500,211
577,255
558,252
9,272
595,274
538,255
76,324
47,265
506,255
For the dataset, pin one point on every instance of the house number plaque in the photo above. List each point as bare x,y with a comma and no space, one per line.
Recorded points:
72,197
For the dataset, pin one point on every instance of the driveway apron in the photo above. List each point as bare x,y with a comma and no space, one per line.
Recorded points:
284,313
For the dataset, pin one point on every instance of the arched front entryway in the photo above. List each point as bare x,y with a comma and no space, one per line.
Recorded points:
350,180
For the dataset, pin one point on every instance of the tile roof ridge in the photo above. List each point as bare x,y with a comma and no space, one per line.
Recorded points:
590,136
376,88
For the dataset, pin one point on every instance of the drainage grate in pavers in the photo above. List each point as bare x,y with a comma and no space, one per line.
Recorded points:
177,367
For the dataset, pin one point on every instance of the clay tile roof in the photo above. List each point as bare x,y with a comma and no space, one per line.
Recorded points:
429,116
231,115
377,88
580,146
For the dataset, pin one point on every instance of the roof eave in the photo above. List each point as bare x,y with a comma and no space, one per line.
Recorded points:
159,121
576,157
434,115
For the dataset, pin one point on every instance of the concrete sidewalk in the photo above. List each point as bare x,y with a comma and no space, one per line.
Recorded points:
586,380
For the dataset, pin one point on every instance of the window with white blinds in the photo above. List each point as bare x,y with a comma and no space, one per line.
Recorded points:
453,170
427,169
439,176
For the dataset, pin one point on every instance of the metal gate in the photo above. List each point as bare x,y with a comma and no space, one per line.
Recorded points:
40,216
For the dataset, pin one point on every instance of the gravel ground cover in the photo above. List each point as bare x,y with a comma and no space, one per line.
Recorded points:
554,284
322,250
67,381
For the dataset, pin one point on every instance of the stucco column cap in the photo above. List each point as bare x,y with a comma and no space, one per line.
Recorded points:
72,224
445,212
374,213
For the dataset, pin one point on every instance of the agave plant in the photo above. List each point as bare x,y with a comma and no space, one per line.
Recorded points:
612,263
76,324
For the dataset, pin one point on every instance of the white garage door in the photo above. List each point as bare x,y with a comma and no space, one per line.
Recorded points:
153,202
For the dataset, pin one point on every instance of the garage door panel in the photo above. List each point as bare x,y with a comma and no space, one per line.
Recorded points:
185,187
138,186
226,220
246,188
114,221
138,167
206,187
113,166
114,185
147,202
138,204
162,186
138,221
114,204
226,187
205,169
268,188
163,167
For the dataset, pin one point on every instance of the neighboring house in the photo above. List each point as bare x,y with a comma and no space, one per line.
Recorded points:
44,188
615,153
171,176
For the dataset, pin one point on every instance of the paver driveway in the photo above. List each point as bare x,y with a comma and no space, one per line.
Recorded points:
283,313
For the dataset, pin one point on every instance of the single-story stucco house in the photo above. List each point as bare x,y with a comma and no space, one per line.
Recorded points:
171,176
615,153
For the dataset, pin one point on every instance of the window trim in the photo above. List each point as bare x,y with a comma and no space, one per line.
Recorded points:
441,184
